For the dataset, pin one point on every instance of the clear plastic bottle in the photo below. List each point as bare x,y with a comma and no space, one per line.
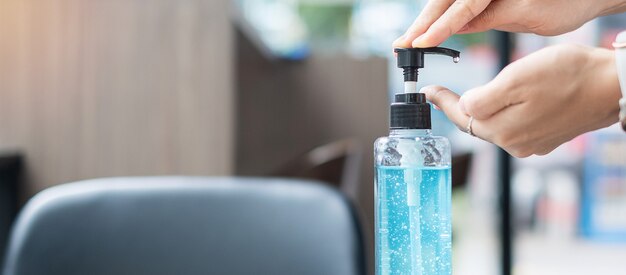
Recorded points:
412,191
413,182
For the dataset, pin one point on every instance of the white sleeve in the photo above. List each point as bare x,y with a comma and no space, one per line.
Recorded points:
620,61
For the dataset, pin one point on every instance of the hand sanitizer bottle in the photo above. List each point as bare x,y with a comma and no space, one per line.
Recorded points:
412,183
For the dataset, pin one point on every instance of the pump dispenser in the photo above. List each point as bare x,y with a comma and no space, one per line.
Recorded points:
411,60
412,182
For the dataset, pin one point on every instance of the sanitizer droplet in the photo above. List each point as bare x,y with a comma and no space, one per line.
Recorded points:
456,59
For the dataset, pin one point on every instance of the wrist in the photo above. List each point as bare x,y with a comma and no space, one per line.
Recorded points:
605,83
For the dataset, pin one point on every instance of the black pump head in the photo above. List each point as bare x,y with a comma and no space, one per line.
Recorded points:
410,111
413,59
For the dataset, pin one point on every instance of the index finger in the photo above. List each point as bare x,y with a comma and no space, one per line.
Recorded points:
431,12
456,17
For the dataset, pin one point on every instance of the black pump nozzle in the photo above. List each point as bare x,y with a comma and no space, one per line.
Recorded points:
413,59
410,109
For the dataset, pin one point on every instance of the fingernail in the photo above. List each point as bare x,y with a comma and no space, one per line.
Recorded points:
401,42
436,107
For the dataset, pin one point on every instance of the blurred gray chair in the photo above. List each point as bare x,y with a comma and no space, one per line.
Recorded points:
186,225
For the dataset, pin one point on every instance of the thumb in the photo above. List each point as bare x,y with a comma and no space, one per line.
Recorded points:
448,102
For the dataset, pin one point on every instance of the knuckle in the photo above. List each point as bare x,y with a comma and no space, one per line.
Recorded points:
489,15
412,31
519,153
466,8
502,140
519,148
449,31
509,78
437,95
538,25
439,32
486,17
472,106
545,151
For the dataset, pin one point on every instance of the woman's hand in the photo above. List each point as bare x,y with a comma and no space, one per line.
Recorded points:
441,19
540,101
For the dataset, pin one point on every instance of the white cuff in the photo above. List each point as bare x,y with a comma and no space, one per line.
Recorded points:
620,60
622,107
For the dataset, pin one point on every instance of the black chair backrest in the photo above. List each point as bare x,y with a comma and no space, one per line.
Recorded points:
186,225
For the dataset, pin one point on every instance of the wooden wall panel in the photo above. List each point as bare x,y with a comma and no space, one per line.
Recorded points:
121,87
287,108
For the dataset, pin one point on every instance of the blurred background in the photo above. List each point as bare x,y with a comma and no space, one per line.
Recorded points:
288,88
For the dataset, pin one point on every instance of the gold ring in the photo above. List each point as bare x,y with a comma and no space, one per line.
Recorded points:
468,129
